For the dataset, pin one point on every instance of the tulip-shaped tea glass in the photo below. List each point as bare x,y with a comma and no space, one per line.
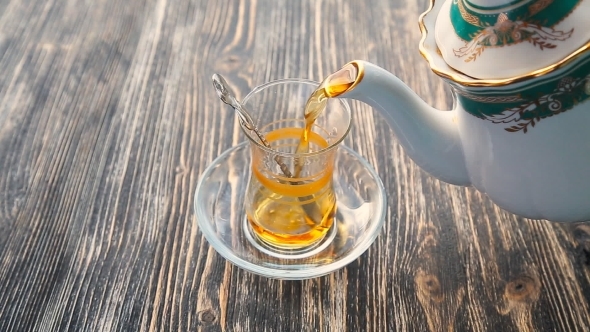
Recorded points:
290,201
285,212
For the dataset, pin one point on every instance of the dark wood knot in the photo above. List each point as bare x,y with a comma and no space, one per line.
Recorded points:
207,316
429,285
229,63
523,289
582,237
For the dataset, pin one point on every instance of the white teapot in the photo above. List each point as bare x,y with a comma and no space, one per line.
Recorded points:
520,130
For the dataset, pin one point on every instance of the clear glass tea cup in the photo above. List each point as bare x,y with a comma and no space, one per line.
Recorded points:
290,202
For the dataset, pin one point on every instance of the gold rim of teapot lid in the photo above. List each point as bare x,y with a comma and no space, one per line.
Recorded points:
447,71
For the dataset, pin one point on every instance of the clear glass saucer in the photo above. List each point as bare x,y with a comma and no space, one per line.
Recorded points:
219,208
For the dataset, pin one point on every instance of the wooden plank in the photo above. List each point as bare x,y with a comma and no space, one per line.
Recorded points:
108,119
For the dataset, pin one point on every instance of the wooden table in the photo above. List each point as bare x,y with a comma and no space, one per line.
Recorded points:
108,118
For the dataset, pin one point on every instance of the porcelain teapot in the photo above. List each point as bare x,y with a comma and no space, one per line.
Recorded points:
520,128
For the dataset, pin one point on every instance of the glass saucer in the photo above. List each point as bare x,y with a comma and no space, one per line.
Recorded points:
219,208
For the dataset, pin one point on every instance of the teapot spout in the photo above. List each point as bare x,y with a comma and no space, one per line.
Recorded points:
429,136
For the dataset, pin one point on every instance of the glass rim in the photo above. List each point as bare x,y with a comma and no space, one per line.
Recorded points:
254,139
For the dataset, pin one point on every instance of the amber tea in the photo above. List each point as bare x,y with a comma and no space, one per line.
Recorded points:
291,212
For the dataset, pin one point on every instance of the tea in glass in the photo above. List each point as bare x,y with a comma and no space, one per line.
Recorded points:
290,202
297,211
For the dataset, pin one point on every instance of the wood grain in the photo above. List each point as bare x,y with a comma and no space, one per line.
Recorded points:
108,119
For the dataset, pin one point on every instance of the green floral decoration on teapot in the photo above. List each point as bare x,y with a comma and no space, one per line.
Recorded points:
532,22
519,110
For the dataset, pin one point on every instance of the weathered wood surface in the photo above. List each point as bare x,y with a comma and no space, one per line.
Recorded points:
108,118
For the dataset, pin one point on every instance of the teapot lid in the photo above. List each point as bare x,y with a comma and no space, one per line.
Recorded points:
504,39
